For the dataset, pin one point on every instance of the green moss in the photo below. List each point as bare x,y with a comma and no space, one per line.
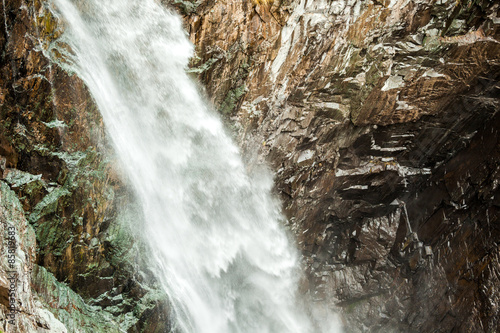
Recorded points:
203,67
46,24
12,212
431,43
17,178
55,124
232,99
68,307
49,204
187,7
51,234
83,186
6,123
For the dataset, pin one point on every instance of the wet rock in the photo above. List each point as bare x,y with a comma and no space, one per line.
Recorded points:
52,155
355,104
358,105
19,304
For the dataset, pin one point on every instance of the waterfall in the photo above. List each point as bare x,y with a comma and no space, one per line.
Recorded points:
220,251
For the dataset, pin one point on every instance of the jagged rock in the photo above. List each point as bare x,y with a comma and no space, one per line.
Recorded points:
52,148
359,104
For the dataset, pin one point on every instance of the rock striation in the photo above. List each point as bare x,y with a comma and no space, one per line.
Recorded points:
380,121
78,266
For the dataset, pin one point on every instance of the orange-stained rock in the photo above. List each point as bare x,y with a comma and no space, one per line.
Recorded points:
359,106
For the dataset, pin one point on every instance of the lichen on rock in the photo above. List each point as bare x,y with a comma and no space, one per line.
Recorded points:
360,106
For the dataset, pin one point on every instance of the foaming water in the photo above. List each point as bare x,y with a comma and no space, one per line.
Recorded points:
220,251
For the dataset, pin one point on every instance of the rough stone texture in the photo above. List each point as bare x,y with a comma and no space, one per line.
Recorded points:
18,254
54,156
380,121
378,117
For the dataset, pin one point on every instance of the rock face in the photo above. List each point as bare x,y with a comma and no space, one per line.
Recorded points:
18,254
61,191
380,121
29,295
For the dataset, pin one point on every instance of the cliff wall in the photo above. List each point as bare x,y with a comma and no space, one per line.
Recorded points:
380,121
78,266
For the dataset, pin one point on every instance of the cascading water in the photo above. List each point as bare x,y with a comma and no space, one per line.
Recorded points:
221,254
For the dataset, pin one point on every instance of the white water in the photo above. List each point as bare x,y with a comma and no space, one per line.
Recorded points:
221,254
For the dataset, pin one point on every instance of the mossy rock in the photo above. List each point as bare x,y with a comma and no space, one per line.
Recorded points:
68,307
232,99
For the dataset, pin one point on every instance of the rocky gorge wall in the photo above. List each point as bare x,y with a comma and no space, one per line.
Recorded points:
379,119
77,264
